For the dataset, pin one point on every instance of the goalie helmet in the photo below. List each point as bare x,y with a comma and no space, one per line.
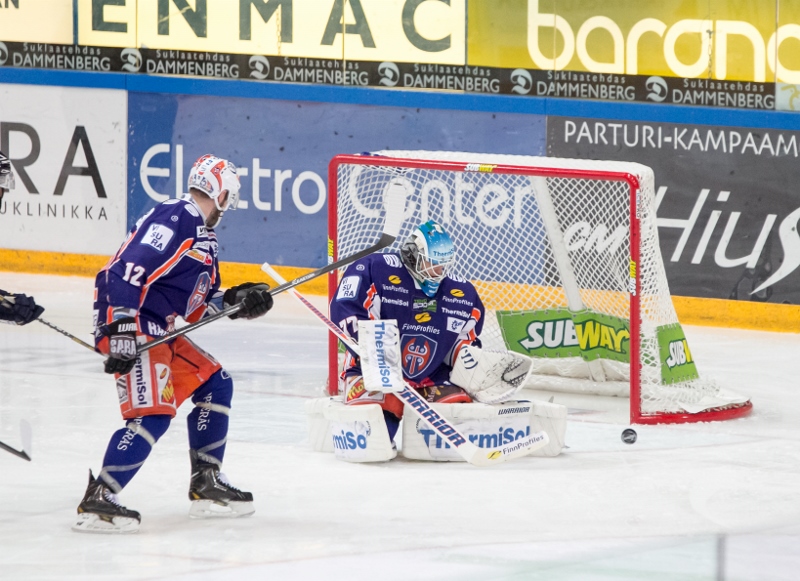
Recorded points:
428,254
6,174
212,176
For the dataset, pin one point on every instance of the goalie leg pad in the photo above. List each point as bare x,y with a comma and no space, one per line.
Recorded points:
552,419
486,426
354,433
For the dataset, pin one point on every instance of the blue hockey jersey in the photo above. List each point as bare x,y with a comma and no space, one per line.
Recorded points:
431,328
166,268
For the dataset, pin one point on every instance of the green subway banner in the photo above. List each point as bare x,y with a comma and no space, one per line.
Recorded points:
561,333
676,359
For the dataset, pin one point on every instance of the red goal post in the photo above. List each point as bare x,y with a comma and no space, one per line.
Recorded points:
564,254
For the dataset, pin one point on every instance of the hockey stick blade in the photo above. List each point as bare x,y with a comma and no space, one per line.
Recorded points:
473,454
25,433
394,204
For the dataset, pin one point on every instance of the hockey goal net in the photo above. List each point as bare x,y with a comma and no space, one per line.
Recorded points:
565,256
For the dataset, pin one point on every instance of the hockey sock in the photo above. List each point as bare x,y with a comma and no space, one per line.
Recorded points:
208,421
129,447
392,423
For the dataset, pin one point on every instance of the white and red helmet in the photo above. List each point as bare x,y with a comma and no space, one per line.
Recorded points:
213,175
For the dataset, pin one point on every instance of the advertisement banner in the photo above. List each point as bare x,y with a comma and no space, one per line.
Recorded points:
389,74
713,39
728,200
36,21
282,149
562,333
68,147
374,30
677,363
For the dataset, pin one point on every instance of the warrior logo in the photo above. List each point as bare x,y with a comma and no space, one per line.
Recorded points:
418,352
199,293
259,66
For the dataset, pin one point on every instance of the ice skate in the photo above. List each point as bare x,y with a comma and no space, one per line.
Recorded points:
212,495
101,512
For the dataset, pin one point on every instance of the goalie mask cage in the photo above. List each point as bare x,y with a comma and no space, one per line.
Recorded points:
547,238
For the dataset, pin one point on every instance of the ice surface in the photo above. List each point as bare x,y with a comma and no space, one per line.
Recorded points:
712,501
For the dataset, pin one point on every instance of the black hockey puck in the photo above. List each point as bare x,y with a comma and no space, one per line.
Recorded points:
629,435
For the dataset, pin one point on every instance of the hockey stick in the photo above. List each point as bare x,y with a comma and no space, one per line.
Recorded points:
9,299
466,449
394,204
65,333
25,433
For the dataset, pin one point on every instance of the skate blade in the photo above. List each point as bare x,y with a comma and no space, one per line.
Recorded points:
211,509
92,523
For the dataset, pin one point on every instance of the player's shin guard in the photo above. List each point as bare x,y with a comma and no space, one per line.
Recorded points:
208,421
129,447
100,510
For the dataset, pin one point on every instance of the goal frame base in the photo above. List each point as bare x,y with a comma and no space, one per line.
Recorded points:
727,413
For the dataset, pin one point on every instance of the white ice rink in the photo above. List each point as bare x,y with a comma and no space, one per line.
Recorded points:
714,501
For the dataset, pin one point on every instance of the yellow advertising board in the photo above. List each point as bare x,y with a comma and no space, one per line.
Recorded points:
718,39
427,31
36,21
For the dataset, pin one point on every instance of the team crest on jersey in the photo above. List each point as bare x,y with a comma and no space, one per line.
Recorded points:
418,352
198,298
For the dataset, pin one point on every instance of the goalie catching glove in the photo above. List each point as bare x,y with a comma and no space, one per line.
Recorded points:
254,298
488,376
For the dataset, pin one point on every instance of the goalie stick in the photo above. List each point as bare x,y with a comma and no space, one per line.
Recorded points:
25,434
470,452
394,203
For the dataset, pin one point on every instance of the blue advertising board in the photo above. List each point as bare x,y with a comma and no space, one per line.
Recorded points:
282,149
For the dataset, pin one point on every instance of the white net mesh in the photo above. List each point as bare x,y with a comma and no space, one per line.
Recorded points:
520,236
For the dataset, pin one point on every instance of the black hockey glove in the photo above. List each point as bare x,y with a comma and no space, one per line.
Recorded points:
19,309
121,345
253,296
